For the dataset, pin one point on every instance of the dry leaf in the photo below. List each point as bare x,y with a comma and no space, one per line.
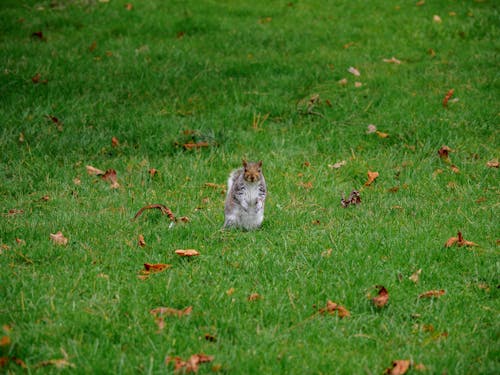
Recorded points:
94,171
415,276
230,291
420,3
141,242
459,241
254,297
77,181
399,367
392,60
492,163
437,19
326,253
371,129
187,253
190,365
110,176
454,168
184,219
129,6
332,308
115,142
164,210
190,146
58,238
168,311
372,176
343,82
432,294
354,71
214,185
153,172
448,96
37,78
155,267
337,165
444,153
5,341
382,135
382,297
210,337
306,185
358,84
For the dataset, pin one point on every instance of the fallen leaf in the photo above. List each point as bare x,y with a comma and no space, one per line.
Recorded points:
392,60
420,3
214,185
337,165
94,171
141,242
492,163
382,135
343,81
191,364
327,253
58,363
230,291
447,97
5,341
332,308
156,267
4,361
354,71
432,294
459,241
129,6
38,34
444,153
115,142
37,78
454,168
415,276
399,367
431,52
58,238
153,172
372,176
354,199
110,176
382,297
437,19
77,181
190,146
56,121
21,138
371,129
187,253
184,219
254,297
20,241
306,185
168,311
419,367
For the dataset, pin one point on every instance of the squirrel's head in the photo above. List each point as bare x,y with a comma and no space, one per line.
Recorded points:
252,171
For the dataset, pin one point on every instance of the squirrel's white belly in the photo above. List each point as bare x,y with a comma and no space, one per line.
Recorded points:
252,217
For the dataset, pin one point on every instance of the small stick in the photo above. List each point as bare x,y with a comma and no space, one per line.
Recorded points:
164,210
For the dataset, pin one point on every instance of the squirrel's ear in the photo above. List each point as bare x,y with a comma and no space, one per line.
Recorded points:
244,163
260,163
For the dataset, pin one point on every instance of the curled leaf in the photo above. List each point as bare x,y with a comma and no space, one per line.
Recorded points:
59,238
164,210
372,176
187,253
333,308
110,176
382,297
392,60
415,276
459,241
447,97
94,171
399,367
354,71
432,294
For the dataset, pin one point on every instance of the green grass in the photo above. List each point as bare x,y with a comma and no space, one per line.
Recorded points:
211,67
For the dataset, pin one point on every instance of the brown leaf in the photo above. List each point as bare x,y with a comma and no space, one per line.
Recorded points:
444,152
382,297
332,308
306,185
5,341
230,291
156,267
372,176
448,96
168,311
337,165
190,146
399,367
110,176
492,163
141,242
437,19
254,297
58,238
354,71
459,241
153,172
129,6
187,253
342,82
115,142
454,168
432,294
358,84
415,276
191,364
94,171
37,78
38,35
214,185
184,219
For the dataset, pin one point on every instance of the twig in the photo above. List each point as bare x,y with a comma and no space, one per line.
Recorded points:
164,210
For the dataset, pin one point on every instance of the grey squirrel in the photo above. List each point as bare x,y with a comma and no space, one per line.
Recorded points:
246,195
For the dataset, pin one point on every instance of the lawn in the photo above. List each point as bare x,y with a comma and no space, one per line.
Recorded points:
172,95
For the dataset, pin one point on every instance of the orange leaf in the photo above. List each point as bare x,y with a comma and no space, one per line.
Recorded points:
187,253
190,146
254,297
382,135
115,142
191,364
372,176
492,163
459,241
381,299
156,267
443,152
432,294
332,308
153,172
399,367
168,311
141,242
58,238
454,168
110,176
5,341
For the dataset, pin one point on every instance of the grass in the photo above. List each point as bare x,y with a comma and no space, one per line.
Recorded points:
148,76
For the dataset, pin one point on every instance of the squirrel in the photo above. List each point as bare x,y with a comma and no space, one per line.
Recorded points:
246,194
